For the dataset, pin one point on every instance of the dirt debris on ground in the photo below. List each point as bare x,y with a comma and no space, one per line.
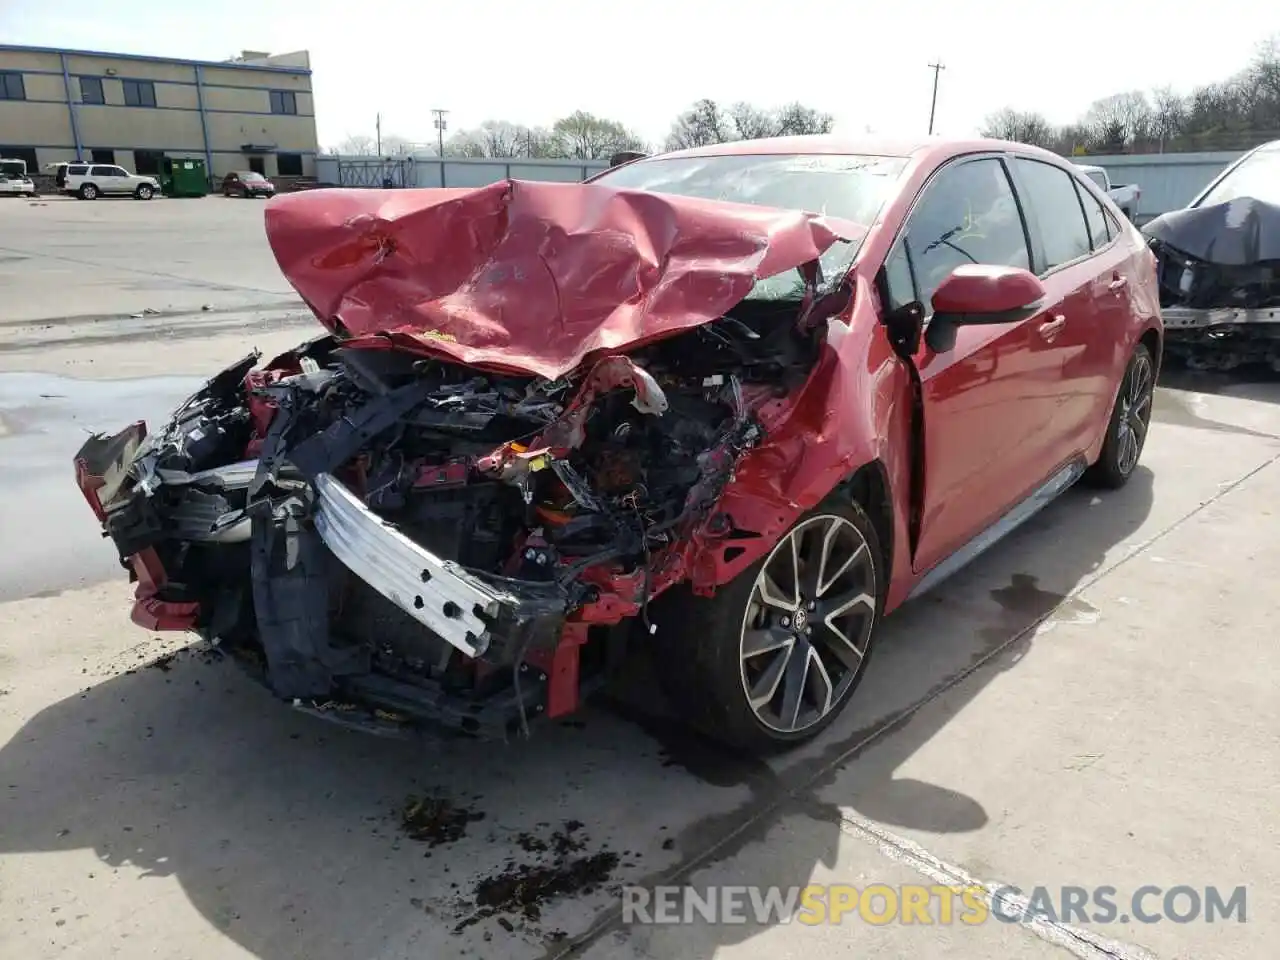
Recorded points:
520,890
436,820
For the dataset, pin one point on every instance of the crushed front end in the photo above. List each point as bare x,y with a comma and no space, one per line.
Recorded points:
400,541
1219,277
451,509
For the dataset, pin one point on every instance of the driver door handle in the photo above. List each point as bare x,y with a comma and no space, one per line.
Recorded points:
1117,282
1051,328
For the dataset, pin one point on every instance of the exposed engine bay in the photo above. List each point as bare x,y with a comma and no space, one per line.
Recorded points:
1219,277
401,538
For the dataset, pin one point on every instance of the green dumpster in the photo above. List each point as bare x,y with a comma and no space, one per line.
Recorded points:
183,177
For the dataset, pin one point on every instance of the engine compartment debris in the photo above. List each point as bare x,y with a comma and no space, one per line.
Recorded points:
518,509
449,509
1219,276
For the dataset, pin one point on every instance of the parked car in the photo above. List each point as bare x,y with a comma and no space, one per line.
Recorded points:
671,406
89,181
16,186
13,168
247,184
1219,267
1124,195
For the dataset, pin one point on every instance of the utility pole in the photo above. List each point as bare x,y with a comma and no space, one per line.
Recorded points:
377,126
441,125
936,68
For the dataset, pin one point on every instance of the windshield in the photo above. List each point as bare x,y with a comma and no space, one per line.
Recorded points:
13,168
1257,177
251,176
851,187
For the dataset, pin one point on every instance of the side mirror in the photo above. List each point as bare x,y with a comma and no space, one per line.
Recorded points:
982,294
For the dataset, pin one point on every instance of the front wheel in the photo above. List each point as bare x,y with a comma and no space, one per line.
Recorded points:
1129,423
145,192
775,656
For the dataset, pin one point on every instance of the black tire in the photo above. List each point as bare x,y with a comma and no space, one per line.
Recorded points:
88,192
697,645
1117,461
144,192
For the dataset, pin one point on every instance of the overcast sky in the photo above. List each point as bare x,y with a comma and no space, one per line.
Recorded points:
642,63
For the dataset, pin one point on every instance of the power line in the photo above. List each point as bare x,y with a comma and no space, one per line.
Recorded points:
937,68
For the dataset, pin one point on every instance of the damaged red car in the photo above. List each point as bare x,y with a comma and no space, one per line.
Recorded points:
735,404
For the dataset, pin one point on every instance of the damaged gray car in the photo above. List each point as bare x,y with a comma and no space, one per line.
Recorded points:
1219,268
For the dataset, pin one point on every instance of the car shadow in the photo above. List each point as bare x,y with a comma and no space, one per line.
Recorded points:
288,835
936,655
1251,382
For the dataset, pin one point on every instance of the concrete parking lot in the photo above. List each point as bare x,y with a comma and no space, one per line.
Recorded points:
1092,704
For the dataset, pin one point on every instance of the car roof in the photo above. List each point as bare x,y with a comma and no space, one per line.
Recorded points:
936,149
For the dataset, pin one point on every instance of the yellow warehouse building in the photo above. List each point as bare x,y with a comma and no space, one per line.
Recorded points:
255,112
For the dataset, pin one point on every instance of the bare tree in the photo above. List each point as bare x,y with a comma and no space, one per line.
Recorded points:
1020,127
394,146
701,124
1168,115
797,119
358,145
585,136
749,122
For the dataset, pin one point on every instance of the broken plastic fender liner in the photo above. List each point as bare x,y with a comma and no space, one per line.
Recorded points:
530,277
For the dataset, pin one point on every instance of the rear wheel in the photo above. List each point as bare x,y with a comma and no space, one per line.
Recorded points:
1130,420
774,656
88,192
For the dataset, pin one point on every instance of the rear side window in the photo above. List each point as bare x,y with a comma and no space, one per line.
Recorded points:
1059,218
77,170
1096,218
968,214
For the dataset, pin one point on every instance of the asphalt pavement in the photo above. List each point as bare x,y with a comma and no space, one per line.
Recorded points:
1090,705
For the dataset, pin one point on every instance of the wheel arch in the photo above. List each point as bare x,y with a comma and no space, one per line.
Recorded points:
1154,343
869,485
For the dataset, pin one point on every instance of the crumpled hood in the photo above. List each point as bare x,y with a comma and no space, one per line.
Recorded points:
1237,233
530,276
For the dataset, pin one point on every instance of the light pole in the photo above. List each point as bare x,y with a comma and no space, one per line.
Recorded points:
937,68
441,125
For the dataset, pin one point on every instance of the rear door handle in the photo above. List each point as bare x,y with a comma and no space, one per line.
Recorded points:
1118,282
1051,328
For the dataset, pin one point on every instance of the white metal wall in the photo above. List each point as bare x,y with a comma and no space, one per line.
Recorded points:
1169,181
434,172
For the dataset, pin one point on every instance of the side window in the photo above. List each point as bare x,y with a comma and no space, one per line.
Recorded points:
118,171
102,172
968,215
1059,218
1096,217
1113,228
77,170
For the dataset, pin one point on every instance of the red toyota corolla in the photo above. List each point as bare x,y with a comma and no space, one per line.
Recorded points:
735,404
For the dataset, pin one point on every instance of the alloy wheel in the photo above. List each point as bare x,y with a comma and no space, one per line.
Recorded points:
808,622
1135,413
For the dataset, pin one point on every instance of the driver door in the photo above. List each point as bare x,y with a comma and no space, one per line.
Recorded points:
989,400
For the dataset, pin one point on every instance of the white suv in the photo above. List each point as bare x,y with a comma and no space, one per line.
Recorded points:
88,181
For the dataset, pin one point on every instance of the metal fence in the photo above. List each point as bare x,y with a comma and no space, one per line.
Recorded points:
449,172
